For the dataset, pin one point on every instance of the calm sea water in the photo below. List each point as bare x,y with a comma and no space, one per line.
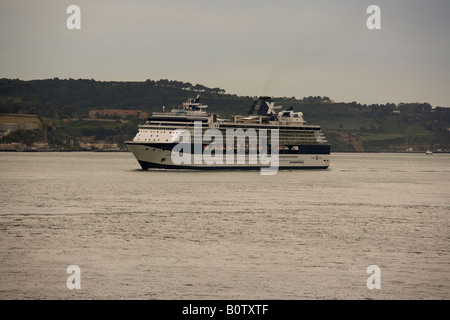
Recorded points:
224,235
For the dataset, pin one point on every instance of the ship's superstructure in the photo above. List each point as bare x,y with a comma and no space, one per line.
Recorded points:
205,141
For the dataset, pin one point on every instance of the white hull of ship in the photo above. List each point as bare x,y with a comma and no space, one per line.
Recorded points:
151,157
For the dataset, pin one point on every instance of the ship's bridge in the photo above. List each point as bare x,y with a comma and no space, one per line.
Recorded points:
262,111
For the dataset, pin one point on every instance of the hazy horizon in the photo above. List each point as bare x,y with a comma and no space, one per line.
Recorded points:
249,48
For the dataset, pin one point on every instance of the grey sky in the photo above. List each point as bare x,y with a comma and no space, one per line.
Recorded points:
279,48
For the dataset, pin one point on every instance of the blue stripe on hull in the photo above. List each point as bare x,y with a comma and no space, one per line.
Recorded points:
147,165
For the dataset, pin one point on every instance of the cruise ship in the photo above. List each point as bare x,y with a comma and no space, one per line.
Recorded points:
188,137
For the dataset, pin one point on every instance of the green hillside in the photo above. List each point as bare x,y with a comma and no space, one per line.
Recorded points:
63,107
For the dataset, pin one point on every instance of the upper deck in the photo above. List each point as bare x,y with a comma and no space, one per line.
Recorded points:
261,115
